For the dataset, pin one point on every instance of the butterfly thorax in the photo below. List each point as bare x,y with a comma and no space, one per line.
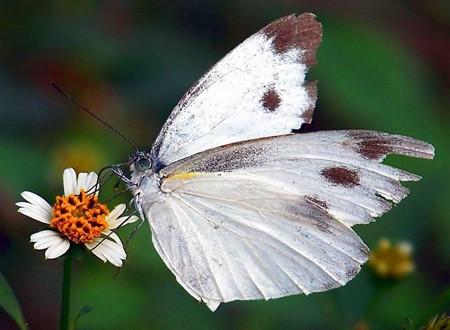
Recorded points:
144,181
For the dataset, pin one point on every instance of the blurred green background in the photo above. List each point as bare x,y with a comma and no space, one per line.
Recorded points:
383,65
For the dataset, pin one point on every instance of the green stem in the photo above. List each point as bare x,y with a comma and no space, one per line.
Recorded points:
65,301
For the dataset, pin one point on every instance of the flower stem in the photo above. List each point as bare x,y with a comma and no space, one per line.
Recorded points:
65,301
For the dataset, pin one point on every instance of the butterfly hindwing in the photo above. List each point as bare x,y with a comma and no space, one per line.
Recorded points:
272,217
258,89
225,239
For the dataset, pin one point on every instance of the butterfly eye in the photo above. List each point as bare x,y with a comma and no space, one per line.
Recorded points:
142,164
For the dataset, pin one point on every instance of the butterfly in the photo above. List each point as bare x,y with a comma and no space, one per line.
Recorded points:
242,208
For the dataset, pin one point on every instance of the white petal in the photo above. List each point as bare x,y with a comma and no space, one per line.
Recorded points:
57,250
112,244
48,242
108,250
114,249
116,261
35,214
109,255
113,258
115,213
37,200
122,221
95,251
81,183
44,241
114,236
43,233
36,208
112,218
70,182
91,181
24,204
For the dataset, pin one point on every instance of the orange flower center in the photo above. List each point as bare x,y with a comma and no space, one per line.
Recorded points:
80,218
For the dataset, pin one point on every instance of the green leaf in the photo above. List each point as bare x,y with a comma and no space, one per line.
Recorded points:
9,303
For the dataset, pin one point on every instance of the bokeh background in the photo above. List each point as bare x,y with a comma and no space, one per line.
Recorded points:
383,65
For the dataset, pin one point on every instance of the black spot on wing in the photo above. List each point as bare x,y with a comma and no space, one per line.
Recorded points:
341,176
371,145
270,100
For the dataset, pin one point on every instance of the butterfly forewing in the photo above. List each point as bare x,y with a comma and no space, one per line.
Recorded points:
325,164
257,90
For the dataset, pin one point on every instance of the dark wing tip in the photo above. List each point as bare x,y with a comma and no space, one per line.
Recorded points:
302,31
377,145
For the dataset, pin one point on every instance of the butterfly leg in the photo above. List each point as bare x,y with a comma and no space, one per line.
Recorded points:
103,177
106,174
105,237
137,206
117,170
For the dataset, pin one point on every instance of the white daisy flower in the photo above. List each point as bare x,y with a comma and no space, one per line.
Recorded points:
77,217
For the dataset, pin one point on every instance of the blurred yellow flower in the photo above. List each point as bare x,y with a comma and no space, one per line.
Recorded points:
81,156
391,261
361,325
438,323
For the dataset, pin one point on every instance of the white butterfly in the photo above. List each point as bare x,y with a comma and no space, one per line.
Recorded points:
239,207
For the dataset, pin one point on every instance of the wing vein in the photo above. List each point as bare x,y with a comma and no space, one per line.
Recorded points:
189,252
205,257
225,259
281,269
264,241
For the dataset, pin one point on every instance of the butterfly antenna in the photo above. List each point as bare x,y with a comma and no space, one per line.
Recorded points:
82,107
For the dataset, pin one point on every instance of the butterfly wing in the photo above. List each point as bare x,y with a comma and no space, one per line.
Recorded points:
257,90
236,248
272,217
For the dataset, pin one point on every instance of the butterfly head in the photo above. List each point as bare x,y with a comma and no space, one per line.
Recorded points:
141,161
